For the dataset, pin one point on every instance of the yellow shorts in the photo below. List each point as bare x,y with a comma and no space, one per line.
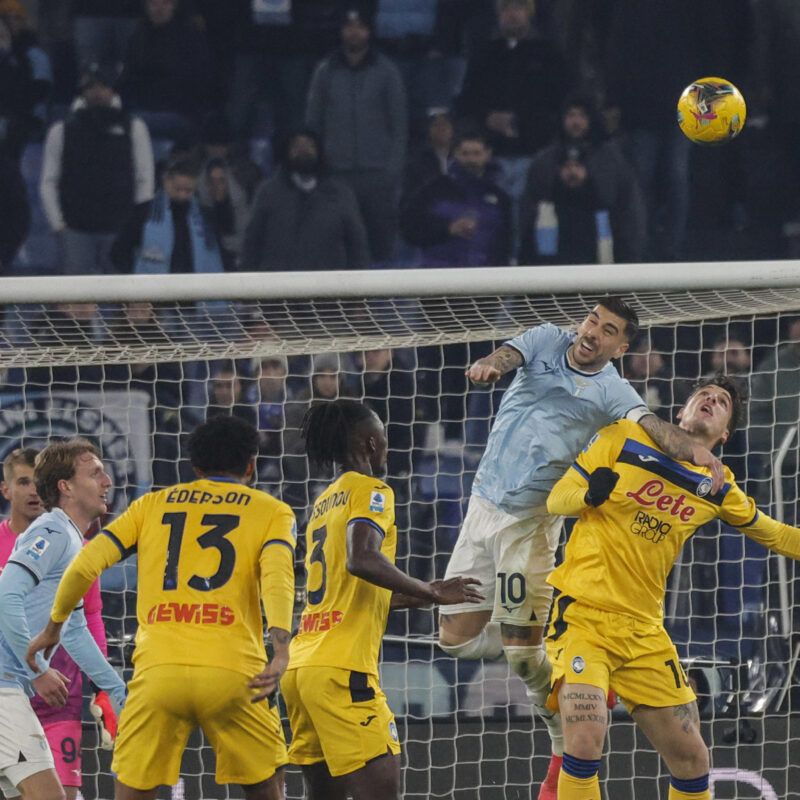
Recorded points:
337,716
166,703
636,659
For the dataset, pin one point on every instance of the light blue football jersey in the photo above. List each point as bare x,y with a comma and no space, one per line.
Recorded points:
45,549
546,417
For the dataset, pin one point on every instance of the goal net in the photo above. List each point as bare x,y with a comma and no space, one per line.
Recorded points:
135,363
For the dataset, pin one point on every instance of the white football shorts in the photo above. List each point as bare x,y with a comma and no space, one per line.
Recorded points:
24,750
511,557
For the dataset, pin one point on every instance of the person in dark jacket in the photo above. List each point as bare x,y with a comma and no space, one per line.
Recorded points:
612,180
166,75
461,219
357,104
97,165
15,211
303,219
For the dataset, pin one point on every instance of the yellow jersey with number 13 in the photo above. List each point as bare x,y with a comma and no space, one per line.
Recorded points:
345,617
208,551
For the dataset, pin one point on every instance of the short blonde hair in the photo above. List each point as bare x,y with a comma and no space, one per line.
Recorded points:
57,463
21,455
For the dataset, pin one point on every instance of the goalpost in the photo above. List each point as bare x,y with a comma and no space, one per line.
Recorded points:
134,362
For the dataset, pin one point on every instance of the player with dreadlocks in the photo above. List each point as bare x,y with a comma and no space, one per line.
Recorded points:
343,732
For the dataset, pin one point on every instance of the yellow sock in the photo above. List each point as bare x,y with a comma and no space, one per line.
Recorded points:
571,788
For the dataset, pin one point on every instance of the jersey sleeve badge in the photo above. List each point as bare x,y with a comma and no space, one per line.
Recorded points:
37,548
377,502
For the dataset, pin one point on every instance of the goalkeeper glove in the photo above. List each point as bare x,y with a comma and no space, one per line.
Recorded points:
601,483
103,713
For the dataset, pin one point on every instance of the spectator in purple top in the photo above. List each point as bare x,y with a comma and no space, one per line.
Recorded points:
461,219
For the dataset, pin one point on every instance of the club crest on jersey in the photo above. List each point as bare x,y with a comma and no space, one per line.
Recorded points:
704,487
38,547
377,502
393,731
578,665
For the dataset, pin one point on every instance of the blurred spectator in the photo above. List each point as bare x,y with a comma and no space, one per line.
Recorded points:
227,396
357,105
407,32
774,407
273,393
564,222
646,370
654,52
433,158
166,76
225,202
135,324
26,44
102,29
304,219
278,46
610,178
216,142
15,212
461,219
387,387
72,325
19,94
170,232
97,165
514,86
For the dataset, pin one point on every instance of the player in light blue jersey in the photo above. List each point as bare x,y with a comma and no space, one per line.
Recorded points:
72,484
565,389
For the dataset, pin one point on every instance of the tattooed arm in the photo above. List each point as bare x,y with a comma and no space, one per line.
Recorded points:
677,444
495,365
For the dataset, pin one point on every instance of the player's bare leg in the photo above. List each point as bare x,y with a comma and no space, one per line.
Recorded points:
522,645
675,732
470,634
71,792
585,719
377,780
270,789
321,785
44,785
124,792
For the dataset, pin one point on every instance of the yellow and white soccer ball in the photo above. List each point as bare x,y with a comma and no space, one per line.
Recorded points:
711,111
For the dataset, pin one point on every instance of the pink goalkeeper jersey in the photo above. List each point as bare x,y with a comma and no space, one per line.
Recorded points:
92,608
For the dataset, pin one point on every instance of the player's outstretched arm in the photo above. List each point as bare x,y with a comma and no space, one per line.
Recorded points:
366,561
677,444
491,368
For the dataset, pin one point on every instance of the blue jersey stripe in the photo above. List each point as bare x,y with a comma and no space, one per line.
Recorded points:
578,468
124,552
752,521
277,541
372,522
647,458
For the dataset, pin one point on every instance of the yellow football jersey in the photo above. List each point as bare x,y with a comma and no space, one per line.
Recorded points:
345,617
619,554
207,550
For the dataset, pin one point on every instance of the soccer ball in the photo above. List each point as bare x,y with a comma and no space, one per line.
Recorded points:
711,111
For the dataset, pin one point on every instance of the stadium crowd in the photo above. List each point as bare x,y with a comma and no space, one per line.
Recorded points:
377,133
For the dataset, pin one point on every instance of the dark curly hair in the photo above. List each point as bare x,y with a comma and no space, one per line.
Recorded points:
223,445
